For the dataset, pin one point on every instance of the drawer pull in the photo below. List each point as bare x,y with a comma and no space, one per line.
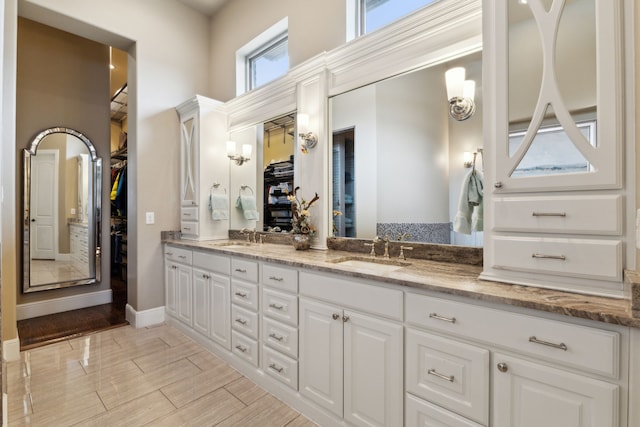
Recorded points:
186,214
562,214
276,368
170,253
439,375
444,319
543,256
175,267
276,337
242,348
241,294
182,256
276,306
277,279
241,270
241,321
561,346
187,228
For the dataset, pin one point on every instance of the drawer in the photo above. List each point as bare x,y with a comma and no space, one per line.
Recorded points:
280,278
448,373
280,337
243,269
244,294
281,367
189,214
591,259
419,413
560,214
244,321
211,262
349,294
280,306
189,228
245,347
575,346
184,256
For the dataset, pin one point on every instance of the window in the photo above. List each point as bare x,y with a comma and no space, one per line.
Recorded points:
268,63
373,14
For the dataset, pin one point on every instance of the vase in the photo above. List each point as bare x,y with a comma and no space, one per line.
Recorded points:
301,242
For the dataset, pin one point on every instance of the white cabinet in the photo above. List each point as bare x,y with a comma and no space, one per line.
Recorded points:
526,394
203,163
244,310
555,197
211,314
178,290
351,363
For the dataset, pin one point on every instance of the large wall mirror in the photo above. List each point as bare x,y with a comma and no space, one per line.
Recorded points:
62,211
398,157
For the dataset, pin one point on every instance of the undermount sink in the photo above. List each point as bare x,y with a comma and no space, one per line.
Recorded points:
379,265
232,245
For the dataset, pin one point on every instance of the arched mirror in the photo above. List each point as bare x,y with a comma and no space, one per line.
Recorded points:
62,211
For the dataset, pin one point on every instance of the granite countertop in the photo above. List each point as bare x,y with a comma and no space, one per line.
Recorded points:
445,277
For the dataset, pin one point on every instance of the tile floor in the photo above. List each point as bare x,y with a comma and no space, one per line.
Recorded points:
136,377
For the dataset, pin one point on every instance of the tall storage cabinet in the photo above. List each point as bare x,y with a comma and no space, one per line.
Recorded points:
557,192
204,166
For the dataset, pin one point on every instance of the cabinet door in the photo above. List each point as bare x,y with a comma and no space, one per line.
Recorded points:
531,395
220,329
201,289
321,350
373,371
184,294
171,287
189,135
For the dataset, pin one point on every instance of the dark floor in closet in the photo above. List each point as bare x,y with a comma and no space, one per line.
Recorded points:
51,328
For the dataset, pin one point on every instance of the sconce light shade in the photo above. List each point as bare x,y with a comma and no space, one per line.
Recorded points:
460,93
467,158
309,139
239,158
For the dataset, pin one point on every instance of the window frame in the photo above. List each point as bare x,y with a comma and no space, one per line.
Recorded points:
259,52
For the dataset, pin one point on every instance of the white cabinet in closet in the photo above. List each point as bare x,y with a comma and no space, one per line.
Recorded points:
556,189
203,163
351,362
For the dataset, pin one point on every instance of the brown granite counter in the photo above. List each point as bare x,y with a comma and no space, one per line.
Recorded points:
444,277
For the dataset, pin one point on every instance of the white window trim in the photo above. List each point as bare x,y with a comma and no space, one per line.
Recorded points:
353,19
270,34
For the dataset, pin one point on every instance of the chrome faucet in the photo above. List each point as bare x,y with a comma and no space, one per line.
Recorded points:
248,233
386,246
402,249
373,246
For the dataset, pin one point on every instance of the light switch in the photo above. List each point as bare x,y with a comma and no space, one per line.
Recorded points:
151,217
73,211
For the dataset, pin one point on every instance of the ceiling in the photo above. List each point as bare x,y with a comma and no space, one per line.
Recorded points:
208,7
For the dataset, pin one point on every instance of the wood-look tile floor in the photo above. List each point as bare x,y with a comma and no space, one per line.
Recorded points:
136,377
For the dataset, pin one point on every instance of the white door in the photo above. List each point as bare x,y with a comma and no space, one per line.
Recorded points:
171,284
44,205
184,294
201,308
321,351
373,371
220,328
531,395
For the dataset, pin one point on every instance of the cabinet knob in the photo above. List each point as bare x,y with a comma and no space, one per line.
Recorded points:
335,316
498,185
502,367
345,318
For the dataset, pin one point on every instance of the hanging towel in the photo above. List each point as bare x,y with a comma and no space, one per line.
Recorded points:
219,206
470,198
247,202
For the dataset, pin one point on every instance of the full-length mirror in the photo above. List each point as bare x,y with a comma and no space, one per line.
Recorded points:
62,211
399,158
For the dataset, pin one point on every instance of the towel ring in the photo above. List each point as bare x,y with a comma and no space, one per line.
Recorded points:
215,186
244,187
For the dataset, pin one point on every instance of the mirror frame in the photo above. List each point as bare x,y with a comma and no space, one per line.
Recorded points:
94,221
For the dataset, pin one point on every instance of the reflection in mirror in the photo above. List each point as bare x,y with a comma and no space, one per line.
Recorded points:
278,162
552,86
61,211
398,157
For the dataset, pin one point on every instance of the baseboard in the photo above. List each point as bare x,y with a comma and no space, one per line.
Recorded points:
59,305
144,318
11,350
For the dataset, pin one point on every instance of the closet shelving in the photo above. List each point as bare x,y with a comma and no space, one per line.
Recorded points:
278,180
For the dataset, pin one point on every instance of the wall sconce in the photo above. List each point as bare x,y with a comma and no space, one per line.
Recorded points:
467,158
239,158
460,93
309,139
